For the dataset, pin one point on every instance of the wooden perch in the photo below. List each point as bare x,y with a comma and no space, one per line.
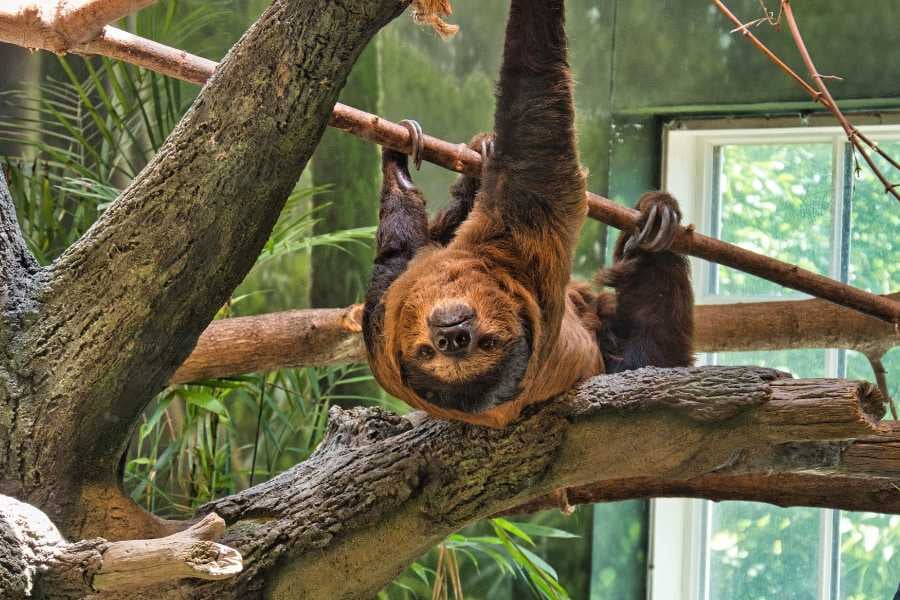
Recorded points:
383,481
319,337
37,561
459,157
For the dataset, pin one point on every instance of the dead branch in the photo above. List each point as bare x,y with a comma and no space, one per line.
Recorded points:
39,563
188,554
319,337
382,481
61,26
821,94
852,133
458,157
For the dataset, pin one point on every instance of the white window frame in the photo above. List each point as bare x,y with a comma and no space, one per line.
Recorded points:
678,565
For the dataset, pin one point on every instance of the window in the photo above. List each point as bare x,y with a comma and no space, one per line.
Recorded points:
793,193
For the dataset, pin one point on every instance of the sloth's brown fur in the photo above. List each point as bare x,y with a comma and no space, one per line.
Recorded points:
431,12
504,248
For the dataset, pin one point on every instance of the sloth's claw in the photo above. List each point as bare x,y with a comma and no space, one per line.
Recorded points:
487,153
665,232
656,234
416,141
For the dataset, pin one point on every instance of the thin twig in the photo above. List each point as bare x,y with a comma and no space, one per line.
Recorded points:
819,94
849,129
881,381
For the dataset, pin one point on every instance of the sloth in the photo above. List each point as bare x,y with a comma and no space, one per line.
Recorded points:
473,316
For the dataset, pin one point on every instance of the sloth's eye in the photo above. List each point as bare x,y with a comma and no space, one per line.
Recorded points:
425,352
488,342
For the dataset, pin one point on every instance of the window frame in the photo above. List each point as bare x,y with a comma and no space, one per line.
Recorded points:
678,553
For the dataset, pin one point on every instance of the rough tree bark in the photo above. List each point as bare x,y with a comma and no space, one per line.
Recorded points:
102,330
37,562
382,481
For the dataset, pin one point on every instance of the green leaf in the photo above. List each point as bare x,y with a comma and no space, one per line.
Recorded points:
513,529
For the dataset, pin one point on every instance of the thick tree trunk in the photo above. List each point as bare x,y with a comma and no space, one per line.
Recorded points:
332,336
18,270
110,321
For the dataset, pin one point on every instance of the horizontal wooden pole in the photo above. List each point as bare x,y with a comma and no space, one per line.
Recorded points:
457,157
318,337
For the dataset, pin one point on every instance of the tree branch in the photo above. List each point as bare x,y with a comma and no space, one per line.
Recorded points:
381,481
17,265
820,93
459,157
126,303
823,92
39,563
62,25
289,339
321,337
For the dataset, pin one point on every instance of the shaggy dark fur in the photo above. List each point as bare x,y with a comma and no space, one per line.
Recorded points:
497,261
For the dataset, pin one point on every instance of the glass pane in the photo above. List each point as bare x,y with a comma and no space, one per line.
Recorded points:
618,561
870,555
799,363
874,251
776,200
758,552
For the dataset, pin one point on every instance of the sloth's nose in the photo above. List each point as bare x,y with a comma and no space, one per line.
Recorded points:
454,340
447,315
451,328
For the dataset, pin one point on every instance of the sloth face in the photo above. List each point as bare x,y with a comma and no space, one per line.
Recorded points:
464,342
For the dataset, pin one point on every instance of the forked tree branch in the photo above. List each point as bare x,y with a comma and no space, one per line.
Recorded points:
459,157
125,304
319,337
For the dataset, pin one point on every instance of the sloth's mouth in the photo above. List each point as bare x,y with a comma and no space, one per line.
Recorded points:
480,393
